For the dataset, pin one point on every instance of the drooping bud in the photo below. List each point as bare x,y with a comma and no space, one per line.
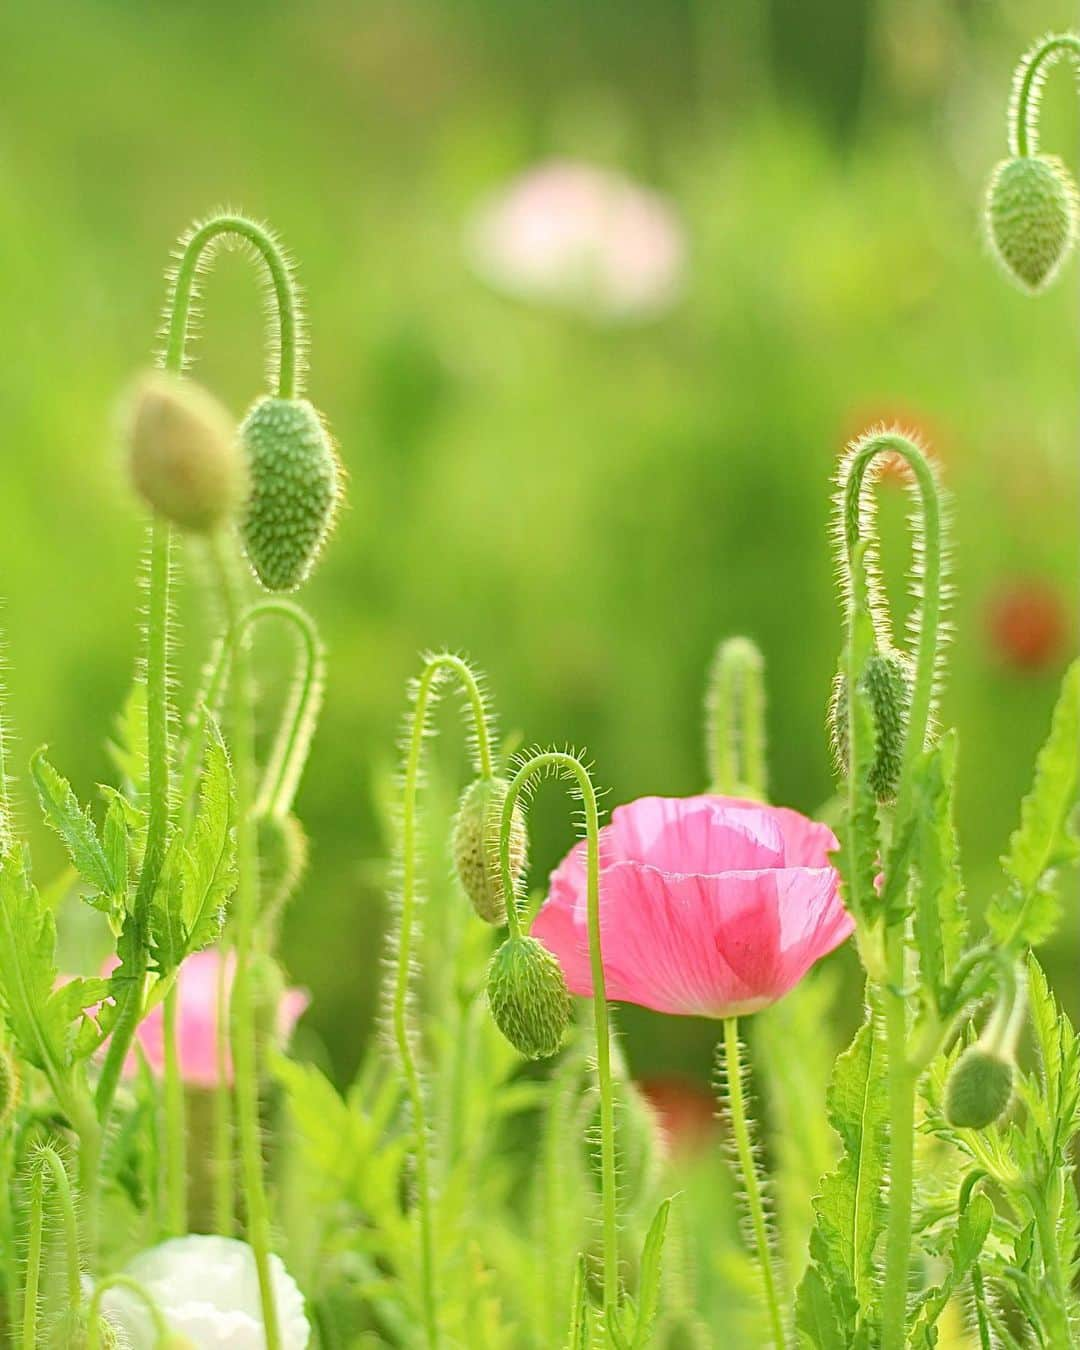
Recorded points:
184,460
9,1085
528,997
283,857
295,484
979,1088
1031,209
886,681
474,846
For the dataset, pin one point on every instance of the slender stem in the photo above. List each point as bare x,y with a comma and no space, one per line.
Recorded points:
741,1131
435,668
175,1124
292,744
245,914
901,1087
224,1172
1027,90
288,344
49,1162
33,1261
570,766
735,715
157,1317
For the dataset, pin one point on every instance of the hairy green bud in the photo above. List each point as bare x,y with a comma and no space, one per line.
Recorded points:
1031,211
979,1088
886,680
528,997
295,484
474,846
184,460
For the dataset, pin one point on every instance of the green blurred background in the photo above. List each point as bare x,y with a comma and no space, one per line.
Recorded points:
583,508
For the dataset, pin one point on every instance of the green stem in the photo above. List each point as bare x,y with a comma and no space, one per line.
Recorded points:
157,1317
224,1173
1027,90
901,1088
175,1125
1047,1225
33,1262
49,1162
567,765
245,915
741,1131
735,718
434,670
292,744
287,344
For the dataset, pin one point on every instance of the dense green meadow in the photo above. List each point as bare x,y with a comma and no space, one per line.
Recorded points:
584,508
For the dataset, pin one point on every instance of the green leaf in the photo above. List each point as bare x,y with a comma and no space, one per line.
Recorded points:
579,1337
815,1318
940,925
1028,910
75,827
128,750
849,1206
649,1283
972,1230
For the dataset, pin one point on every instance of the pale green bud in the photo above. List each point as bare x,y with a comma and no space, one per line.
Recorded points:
184,460
886,681
528,997
474,846
979,1088
1031,213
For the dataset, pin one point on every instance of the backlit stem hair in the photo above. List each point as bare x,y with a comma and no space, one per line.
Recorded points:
1028,80
49,1173
563,764
735,721
438,669
130,1286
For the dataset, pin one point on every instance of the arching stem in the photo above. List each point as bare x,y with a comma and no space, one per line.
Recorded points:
131,1286
435,669
49,1164
569,766
1027,89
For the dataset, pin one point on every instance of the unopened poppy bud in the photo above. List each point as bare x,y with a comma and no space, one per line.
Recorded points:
295,484
9,1086
283,856
886,680
979,1088
528,997
1031,213
184,460
474,846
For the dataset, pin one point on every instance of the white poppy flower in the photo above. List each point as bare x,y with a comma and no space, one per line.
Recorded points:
583,238
208,1291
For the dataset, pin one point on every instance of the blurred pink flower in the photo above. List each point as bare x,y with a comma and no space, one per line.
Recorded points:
710,906
197,1022
580,237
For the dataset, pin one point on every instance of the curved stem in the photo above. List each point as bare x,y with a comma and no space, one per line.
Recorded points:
157,1317
567,765
49,1161
744,1148
735,718
194,246
175,1126
1027,89
434,670
245,914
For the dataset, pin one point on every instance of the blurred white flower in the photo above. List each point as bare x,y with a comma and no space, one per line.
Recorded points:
580,237
208,1290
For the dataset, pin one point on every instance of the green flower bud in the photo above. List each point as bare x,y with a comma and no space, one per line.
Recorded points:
183,455
283,857
528,997
1031,213
474,846
295,484
9,1085
887,682
979,1088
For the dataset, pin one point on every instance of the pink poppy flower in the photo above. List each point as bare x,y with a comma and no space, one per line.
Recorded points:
709,906
197,1020
584,238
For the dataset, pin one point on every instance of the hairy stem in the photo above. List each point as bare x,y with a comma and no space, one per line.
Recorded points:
735,716
223,1143
49,1166
1027,90
175,1124
744,1148
901,1087
245,912
569,766
435,669
132,1286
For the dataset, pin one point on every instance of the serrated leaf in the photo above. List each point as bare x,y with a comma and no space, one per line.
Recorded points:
849,1207
972,1230
1027,912
940,924
815,1317
649,1282
78,832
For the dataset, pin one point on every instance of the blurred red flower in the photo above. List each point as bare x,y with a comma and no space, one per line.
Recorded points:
1027,624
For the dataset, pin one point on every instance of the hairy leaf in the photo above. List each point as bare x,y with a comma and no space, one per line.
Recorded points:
649,1285
940,925
76,828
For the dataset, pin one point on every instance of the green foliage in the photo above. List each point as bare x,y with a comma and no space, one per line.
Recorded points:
104,869
940,920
